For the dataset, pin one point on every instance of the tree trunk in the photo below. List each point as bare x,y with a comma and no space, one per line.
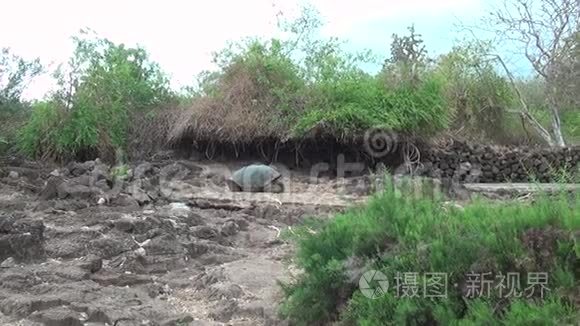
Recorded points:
557,129
555,115
556,123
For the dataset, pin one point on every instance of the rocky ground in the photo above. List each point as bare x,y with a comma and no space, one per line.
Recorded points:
155,243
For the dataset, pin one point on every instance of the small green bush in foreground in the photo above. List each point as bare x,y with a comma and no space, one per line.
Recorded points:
403,233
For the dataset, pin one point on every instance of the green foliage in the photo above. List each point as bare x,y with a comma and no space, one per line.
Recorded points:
120,172
297,86
254,94
476,94
41,130
571,126
534,91
408,61
352,104
306,83
91,110
345,100
272,71
15,74
398,232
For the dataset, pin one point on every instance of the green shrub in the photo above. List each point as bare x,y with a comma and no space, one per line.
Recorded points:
12,120
397,232
354,103
571,126
252,96
476,94
42,129
89,115
266,89
275,78
120,172
15,74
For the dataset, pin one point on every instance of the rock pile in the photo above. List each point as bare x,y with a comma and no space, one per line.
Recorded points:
466,162
121,185
20,238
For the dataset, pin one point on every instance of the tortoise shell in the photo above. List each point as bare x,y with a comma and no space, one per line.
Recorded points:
255,177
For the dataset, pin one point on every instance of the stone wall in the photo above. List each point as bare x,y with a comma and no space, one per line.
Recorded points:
466,162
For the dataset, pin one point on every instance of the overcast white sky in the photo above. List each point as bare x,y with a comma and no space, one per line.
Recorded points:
181,35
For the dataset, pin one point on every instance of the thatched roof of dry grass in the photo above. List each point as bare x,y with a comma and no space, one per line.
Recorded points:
241,112
211,119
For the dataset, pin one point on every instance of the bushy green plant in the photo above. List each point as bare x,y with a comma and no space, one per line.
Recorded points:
255,94
399,232
534,92
571,125
345,100
408,62
120,172
275,76
90,112
15,74
354,103
288,88
41,130
476,94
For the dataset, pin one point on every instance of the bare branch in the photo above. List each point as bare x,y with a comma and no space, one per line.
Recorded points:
547,32
525,112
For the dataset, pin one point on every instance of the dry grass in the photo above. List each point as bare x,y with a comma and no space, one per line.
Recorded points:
242,111
149,133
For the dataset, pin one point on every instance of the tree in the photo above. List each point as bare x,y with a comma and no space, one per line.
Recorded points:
475,92
408,58
106,74
15,74
547,32
101,89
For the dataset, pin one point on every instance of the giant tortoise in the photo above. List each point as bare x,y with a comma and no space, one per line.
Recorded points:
256,178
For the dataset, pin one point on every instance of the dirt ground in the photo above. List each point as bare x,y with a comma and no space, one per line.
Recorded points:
165,243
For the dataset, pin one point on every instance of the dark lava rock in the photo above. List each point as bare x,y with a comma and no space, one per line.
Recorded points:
174,171
115,279
165,244
225,310
144,170
178,320
109,247
50,190
76,188
21,306
125,224
22,239
229,228
204,232
58,316
90,263
268,212
125,201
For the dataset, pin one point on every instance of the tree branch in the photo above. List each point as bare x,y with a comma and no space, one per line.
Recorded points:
524,112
